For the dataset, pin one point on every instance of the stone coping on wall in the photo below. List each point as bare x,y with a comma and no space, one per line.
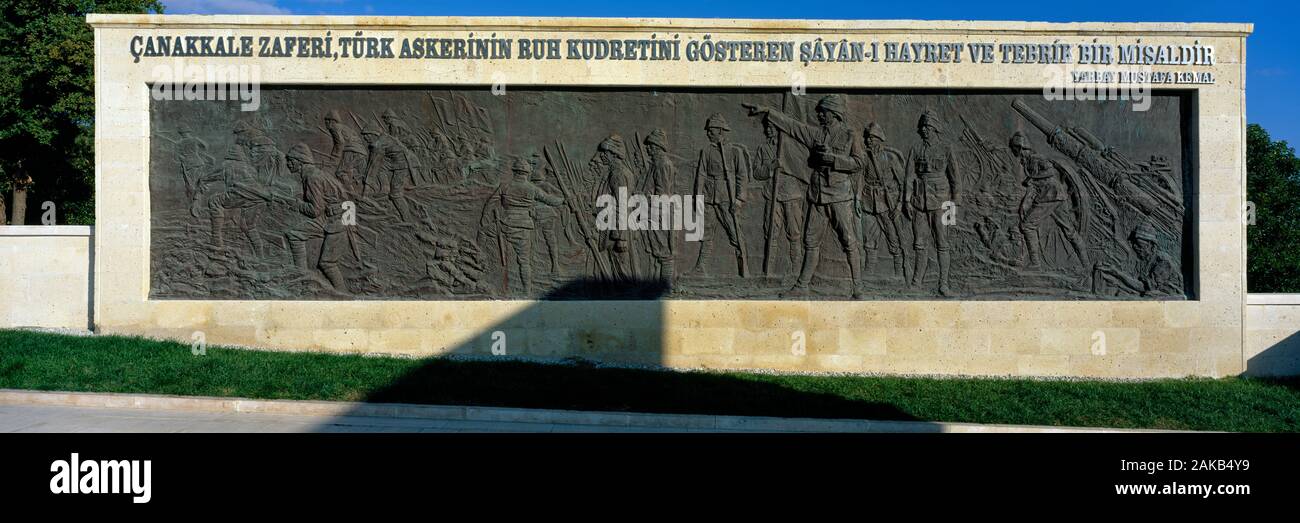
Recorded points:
47,230
1272,299
684,24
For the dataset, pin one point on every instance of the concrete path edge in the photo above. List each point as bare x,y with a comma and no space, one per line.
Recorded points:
502,414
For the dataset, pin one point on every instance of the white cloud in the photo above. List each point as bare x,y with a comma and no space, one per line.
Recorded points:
209,7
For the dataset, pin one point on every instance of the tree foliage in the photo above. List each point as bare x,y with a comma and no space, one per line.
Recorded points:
1273,186
47,100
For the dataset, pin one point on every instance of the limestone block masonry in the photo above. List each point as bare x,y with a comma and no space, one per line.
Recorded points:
45,276
1090,238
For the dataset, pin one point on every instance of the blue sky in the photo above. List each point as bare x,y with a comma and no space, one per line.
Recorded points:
1271,50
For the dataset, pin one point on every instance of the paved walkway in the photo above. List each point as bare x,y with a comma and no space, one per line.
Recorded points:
34,411
43,418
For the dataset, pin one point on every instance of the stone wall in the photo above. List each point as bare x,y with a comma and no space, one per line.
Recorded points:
1200,334
45,276
1272,337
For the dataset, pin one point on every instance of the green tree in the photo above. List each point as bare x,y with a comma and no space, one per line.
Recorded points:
1273,186
47,103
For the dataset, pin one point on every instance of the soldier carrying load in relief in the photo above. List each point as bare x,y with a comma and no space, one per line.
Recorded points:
389,170
787,193
241,200
349,151
1046,191
323,198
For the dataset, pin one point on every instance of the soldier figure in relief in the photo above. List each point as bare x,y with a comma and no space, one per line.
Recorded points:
663,243
545,216
415,147
787,194
240,200
835,157
615,242
192,155
265,157
932,188
322,204
1046,193
349,150
516,198
389,170
881,198
720,176
1152,274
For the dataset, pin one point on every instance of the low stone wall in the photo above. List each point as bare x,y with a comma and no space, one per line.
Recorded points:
45,276
1272,337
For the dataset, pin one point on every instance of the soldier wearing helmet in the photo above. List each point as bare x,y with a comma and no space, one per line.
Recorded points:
1152,273
781,167
662,173
323,200
931,189
835,157
399,129
614,241
192,156
511,207
1047,185
880,200
721,173
264,156
389,170
239,201
349,151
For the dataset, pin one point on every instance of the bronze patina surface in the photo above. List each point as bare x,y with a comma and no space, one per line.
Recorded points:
457,193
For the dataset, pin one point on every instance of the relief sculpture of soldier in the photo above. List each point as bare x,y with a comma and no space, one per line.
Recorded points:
511,207
415,147
349,150
546,217
836,158
1153,273
322,204
389,170
616,243
239,201
932,181
720,177
265,156
663,243
881,198
785,182
1049,185
192,156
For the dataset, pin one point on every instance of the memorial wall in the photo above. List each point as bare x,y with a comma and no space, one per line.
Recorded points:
992,198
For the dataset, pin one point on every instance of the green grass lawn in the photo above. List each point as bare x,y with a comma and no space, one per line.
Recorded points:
41,361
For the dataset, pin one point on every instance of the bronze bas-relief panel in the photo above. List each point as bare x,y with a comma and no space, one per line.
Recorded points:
390,194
